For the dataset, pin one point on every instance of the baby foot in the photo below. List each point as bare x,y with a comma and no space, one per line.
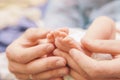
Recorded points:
66,43
60,33
57,33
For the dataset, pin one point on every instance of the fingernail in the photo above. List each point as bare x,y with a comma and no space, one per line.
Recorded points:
60,63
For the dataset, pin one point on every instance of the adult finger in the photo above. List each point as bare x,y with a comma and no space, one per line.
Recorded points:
71,63
103,46
57,79
22,76
76,75
65,55
97,69
24,55
34,34
51,74
35,77
37,66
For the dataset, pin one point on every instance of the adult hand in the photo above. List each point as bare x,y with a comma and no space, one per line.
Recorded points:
100,38
83,67
96,70
28,56
75,70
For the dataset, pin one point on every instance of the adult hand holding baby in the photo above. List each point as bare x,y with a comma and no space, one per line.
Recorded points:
27,57
98,39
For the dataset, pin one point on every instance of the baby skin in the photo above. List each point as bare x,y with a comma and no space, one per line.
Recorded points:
102,28
61,40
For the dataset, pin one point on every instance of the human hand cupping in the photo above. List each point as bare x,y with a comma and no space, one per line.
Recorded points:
28,56
98,39
31,54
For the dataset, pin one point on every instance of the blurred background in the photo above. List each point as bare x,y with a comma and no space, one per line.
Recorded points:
18,15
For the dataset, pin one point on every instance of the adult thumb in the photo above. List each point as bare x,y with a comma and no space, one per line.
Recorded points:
100,69
84,61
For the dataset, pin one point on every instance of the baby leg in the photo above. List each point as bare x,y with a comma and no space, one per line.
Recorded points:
102,28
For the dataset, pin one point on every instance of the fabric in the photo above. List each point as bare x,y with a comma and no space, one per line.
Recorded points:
79,13
10,33
29,18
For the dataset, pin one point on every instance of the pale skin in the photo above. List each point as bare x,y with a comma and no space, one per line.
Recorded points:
64,44
41,64
83,67
29,55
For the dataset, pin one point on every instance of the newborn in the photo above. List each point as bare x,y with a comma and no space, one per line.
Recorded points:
106,31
